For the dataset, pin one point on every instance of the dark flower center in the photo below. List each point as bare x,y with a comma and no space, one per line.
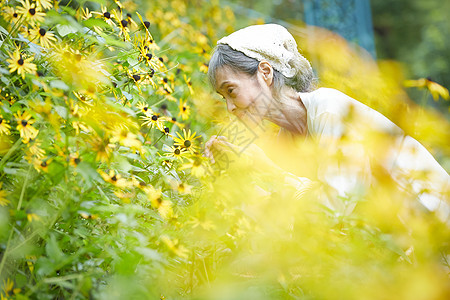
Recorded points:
165,79
114,178
187,143
20,61
166,129
107,15
161,59
152,72
164,106
147,24
124,23
149,56
142,183
184,108
44,164
42,31
154,118
40,73
32,11
15,15
174,119
177,152
145,108
24,123
77,161
128,15
136,77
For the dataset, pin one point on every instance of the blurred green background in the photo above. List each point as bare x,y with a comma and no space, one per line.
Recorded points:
412,32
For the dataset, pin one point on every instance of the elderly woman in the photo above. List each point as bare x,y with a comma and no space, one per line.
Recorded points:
261,75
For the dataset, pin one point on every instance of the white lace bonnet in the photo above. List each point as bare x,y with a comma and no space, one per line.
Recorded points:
270,42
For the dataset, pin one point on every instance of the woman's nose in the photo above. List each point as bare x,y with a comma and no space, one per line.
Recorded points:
230,106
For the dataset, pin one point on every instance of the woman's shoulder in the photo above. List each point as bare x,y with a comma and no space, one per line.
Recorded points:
331,102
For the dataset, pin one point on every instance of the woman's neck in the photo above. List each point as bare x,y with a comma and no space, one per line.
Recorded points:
289,112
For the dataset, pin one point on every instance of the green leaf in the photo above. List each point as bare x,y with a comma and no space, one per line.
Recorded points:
64,30
52,250
59,84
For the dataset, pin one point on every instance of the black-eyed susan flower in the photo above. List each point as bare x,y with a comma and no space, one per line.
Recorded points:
435,88
31,12
189,84
204,67
27,131
9,290
41,164
35,151
186,141
107,16
131,23
154,196
74,159
42,36
87,215
114,178
175,152
21,64
4,126
10,14
44,4
102,147
3,194
185,110
144,108
153,120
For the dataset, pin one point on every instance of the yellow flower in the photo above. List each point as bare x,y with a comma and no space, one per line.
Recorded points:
106,16
32,217
4,127
125,138
44,4
186,141
27,132
10,14
204,68
189,84
35,151
44,37
3,193
74,159
175,246
21,65
435,88
198,169
8,289
31,12
102,147
175,152
113,178
154,120
185,110
41,165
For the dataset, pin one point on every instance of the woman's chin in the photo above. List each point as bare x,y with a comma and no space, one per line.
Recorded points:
249,119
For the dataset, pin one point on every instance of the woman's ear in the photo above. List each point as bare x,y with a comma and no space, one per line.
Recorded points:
266,71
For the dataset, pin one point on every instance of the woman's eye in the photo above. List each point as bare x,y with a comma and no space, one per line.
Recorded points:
230,91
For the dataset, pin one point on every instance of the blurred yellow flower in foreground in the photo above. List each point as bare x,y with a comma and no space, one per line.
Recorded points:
175,247
435,88
3,193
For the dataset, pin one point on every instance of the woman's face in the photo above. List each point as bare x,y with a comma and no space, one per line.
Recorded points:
248,97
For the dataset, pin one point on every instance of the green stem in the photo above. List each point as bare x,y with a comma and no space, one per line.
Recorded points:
159,139
23,188
9,153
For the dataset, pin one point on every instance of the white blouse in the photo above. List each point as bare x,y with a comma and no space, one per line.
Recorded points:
329,112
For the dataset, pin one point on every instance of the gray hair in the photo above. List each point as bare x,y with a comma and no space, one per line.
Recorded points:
225,56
